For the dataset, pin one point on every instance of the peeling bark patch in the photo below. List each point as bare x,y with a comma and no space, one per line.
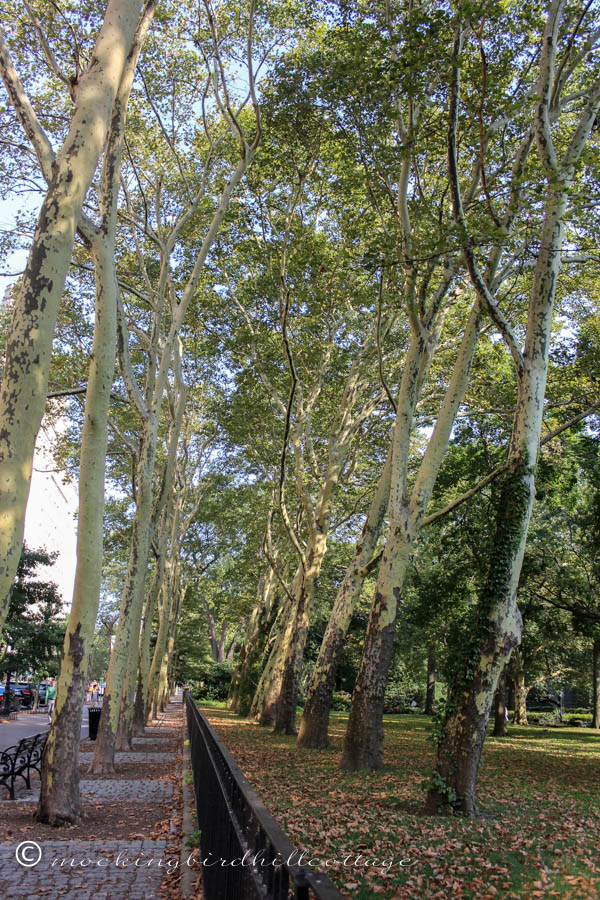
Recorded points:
77,646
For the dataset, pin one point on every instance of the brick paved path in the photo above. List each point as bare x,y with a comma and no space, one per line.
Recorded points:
121,789
99,869
87,756
88,870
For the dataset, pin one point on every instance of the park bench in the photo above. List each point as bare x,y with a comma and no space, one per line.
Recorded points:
20,760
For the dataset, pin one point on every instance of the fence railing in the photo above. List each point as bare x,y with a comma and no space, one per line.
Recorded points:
244,853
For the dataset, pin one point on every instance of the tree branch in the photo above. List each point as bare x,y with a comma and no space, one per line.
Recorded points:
483,293
428,520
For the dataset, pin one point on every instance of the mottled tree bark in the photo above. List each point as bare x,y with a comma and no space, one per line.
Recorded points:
268,691
500,708
164,615
261,621
29,342
165,510
276,696
163,354
363,743
285,715
163,678
168,588
315,719
519,687
459,752
130,609
59,801
431,675
139,707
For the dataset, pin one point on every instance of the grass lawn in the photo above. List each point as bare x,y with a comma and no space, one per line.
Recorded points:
539,794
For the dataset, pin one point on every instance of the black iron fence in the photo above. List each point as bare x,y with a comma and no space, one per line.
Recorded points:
244,853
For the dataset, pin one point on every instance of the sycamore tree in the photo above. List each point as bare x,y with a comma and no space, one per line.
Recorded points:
94,86
51,50
305,351
405,173
209,151
561,134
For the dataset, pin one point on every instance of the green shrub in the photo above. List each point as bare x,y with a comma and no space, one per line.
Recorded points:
213,680
543,717
341,701
399,697
553,718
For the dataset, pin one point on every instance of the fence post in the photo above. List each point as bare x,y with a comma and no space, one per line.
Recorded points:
302,886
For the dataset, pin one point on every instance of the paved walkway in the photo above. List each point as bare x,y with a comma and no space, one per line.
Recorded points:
99,869
28,724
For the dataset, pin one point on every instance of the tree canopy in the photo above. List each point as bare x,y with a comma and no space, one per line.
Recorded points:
314,288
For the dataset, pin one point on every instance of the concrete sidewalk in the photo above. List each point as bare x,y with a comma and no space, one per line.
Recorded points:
103,868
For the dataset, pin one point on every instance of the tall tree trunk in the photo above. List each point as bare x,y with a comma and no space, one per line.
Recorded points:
139,715
281,695
459,751
124,735
215,645
268,690
363,743
169,517
431,675
500,708
165,589
244,681
315,719
230,655
519,687
248,650
59,793
29,342
254,650
59,800
164,614
170,600
165,510
596,683
163,678
139,709
285,717
165,356
159,649
130,610
520,700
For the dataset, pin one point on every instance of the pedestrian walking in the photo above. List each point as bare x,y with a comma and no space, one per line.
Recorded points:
51,698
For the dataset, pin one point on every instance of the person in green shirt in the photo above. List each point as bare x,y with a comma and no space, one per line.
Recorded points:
51,698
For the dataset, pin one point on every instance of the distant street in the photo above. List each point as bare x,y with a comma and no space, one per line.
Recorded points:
28,724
